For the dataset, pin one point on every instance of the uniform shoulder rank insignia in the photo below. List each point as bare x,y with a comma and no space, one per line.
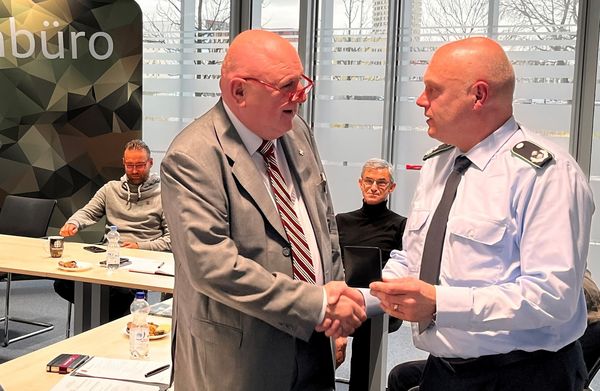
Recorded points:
437,150
532,153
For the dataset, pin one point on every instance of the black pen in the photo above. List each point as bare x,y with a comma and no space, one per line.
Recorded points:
157,370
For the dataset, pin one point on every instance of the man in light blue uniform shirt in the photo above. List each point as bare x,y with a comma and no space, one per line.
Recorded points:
508,307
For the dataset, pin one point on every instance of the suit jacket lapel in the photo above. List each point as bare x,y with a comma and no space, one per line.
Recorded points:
299,155
244,170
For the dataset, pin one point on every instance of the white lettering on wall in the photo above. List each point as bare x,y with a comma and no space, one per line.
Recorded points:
74,37
61,44
109,43
13,40
28,46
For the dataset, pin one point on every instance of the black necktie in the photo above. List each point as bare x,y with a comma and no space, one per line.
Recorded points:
434,241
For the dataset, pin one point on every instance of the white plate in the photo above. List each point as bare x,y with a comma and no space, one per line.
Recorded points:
151,337
81,266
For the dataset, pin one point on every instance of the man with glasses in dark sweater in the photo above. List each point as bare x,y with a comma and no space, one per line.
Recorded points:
374,225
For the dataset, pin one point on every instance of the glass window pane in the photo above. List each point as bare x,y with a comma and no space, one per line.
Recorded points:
279,14
349,89
540,37
184,44
594,253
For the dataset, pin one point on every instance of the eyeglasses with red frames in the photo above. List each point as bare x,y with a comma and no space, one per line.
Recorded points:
298,95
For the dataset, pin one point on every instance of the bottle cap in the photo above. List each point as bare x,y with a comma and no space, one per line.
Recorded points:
140,295
113,227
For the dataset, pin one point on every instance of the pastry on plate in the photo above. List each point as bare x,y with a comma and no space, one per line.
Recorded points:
68,264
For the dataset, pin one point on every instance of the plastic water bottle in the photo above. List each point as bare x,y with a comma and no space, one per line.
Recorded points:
112,253
139,332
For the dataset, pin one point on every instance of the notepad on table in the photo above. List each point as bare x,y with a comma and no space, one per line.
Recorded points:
151,266
121,369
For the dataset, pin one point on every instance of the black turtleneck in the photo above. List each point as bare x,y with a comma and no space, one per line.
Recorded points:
372,225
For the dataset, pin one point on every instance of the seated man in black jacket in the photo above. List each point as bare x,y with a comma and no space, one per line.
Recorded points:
377,226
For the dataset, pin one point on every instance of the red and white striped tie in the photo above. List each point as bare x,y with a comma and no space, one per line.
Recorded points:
301,259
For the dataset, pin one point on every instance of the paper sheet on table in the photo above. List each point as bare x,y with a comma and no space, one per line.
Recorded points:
119,369
75,383
167,269
150,266
164,308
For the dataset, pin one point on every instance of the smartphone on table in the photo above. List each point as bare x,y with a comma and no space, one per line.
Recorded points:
95,249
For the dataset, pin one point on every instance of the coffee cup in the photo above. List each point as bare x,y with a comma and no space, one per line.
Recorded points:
56,245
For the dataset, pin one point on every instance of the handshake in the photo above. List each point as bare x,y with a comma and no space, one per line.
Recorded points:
345,310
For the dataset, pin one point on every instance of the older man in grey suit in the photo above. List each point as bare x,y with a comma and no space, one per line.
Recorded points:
254,235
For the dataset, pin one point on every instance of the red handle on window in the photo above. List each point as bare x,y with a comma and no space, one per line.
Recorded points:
414,166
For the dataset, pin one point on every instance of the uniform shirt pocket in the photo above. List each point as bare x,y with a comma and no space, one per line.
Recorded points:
414,237
417,219
486,232
476,256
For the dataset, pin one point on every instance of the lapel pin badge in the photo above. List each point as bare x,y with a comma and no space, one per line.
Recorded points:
301,152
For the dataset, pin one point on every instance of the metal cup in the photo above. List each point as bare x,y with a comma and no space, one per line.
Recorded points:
56,245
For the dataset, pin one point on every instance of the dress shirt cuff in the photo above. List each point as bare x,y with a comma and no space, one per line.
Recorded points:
454,306
372,307
323,307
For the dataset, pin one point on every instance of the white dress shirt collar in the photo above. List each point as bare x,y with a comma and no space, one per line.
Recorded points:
481,154
250,139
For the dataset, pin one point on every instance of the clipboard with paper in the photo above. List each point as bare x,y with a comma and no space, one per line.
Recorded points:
125,370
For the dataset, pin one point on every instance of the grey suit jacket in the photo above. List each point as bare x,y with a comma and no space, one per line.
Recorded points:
237,310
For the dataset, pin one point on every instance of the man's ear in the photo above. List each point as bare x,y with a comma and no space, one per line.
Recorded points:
480,91
237,87
151,161
392,187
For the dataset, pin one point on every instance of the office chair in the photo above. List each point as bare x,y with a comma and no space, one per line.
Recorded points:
29,217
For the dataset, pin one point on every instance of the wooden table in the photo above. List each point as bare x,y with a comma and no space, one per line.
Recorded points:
28,372
21,255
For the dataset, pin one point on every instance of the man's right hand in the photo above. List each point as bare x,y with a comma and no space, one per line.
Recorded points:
68,230
345,310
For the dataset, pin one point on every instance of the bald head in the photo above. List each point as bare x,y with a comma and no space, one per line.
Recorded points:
258,53
479,58
469,86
